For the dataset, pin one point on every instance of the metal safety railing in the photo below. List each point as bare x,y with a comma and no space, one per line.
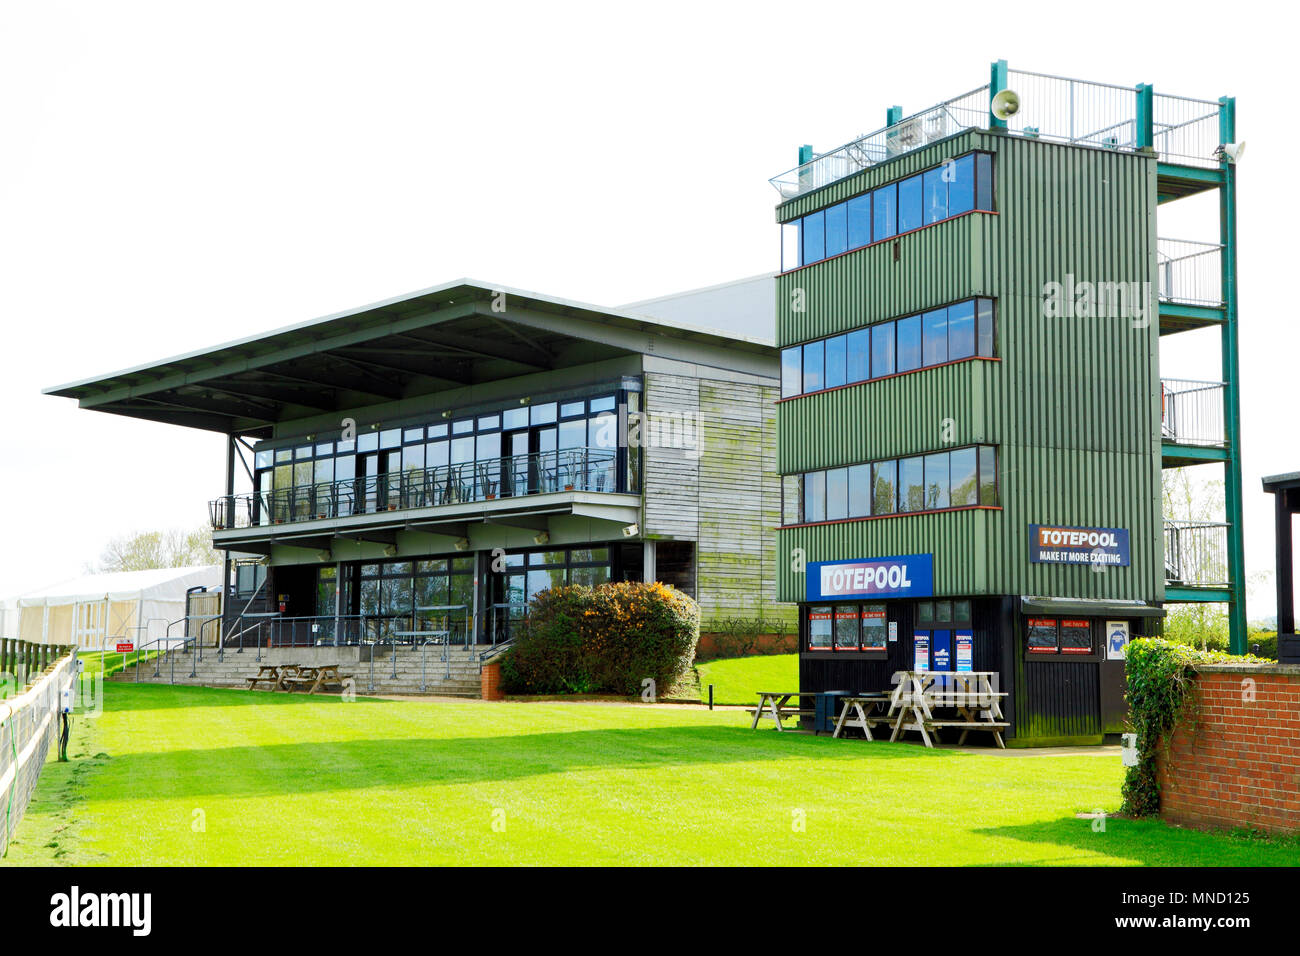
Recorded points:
1191,412
1190,272
30,727
1196,553
573,469
1055,108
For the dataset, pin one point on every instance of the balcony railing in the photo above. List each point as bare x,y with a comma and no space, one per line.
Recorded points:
1196,554
1190,272
1055,108
1192,412
575,469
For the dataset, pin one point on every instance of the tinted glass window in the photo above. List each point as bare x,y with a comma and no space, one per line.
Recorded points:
964,480
910,204
884,215
985,326
846,627
882,349
911,485
836,361
837,234
791,371
814,488
820,622
859,361
814,366
462,427
859,211
543,414
603,404
934,330
988,475
909,343
936,194
961,186
1076,637
859,491
837,494
936,481
1042,635
961,331
884,488
875,627
814,237
984,181
515,418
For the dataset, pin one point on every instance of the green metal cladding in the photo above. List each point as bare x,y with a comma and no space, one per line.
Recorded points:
1073,404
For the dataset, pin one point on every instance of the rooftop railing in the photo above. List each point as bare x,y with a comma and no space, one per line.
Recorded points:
1189,272
1054,108
1196,554
1192,412
574,469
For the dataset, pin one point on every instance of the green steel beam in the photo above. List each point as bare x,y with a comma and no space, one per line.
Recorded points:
1145,117
1174,595
893,116
1175,310
1232,382
1176,456
997,83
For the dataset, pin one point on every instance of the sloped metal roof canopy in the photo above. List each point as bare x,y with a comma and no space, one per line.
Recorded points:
461,333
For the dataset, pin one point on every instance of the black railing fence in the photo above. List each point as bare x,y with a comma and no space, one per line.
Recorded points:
575,469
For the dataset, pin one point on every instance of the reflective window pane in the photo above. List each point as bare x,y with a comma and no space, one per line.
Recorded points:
909,343
984,308
910,204
846,627
820,623
936,194
814,366
884,488
543,414
911,484
961,331
988,475
984,181
882,349
791,371
837,236
836,361
837,494
934,331
961,185
814,237
859,210
936,481
514,418
963,479
859,491
859,360
884,214
814,488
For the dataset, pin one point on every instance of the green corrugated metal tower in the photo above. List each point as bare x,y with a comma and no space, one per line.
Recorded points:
970,313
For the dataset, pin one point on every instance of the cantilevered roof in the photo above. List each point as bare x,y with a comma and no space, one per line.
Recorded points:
453,335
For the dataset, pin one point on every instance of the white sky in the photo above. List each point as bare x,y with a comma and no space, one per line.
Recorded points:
178,175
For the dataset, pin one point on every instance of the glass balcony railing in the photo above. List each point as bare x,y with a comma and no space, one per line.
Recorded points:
575,469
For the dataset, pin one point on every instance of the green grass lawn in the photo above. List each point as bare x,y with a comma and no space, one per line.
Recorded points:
737,680
186,776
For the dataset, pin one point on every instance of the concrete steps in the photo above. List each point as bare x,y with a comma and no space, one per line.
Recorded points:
379,679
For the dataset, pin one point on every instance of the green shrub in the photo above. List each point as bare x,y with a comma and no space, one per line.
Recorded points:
1158,673
607,639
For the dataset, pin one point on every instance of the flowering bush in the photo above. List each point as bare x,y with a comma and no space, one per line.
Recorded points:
606,639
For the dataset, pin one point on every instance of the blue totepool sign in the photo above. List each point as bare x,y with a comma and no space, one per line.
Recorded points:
1098,547
904,575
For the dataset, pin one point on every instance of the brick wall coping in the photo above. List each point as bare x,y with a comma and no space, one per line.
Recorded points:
1267,668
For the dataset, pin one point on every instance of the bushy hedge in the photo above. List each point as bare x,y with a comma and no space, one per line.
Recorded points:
606,639
1158,673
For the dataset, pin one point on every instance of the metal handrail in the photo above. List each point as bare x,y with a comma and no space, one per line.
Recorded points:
566,469
1196,553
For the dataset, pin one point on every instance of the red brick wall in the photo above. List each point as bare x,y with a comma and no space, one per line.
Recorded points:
1237,762
490,682
711,644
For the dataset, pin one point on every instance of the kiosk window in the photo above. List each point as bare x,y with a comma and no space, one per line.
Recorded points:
1076,637
819,628
1042,635
846,628
875,627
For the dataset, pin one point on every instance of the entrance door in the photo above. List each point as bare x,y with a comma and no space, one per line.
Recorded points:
507,598
545,472
514,464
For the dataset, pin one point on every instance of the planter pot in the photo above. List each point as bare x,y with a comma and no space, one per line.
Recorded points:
568,487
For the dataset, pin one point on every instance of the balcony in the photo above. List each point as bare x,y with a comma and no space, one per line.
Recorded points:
569,470
1196,560
1183,132
1191,422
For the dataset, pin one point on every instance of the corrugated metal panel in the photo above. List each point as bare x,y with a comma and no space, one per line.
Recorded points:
903,415
935,265
1073,405
672,475
1057,699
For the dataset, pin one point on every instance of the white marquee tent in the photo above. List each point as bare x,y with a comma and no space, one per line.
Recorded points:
100,609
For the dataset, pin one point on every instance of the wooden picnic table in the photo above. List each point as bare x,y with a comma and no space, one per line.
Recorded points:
870,709
774,705
969,693
271,674
319,676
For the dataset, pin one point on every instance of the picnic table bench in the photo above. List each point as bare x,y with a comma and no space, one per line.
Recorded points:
775,706
969,693
870,709
270,674
314,678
